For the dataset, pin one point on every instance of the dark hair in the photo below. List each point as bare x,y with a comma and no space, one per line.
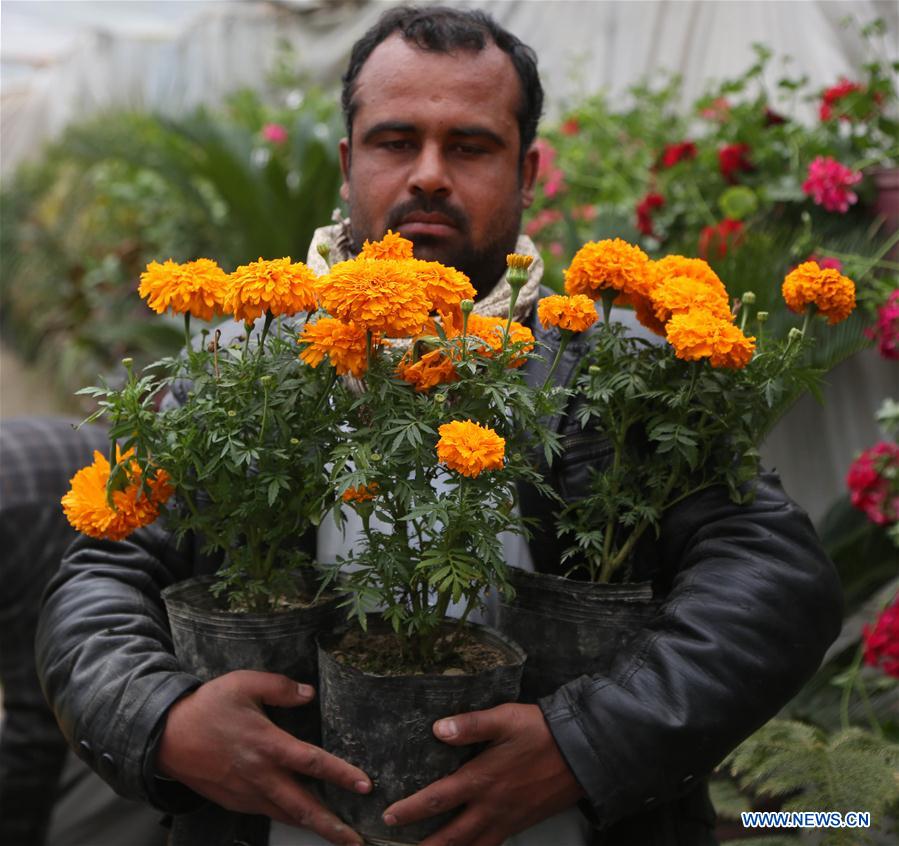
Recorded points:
440,29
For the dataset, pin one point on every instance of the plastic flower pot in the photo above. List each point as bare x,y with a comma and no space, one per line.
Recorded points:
210,641
384,724
570,628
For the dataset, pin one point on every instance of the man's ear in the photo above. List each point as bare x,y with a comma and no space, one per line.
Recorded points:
344,149
529,175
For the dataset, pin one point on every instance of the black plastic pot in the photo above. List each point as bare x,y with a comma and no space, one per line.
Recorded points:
210,641
383,724
570,628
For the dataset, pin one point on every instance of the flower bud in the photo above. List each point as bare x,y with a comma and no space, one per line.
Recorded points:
594,368
294,441
762,317
268,379
376,457
232,413
440,398
518,269
748,298
795,334
467,306
127,363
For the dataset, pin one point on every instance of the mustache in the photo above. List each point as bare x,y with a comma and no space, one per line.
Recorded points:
428,205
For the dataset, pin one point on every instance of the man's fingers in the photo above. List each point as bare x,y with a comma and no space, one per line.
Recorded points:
443,795
304,810
274,689
464,829
305,759
473,727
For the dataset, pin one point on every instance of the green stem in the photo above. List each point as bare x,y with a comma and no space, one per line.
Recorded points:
567,335
850,685
269,317
187,345
512,300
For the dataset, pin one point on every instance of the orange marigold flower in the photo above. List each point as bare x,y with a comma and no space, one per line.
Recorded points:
276,286
826,288
612,264
445,287
391,246
680,284
89,512
518,261
381,295
343,343
700,334
576,313
362,493
197,287
432,369
469,448
492,329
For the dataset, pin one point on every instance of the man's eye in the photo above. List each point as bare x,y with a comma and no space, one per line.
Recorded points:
396,144
470,149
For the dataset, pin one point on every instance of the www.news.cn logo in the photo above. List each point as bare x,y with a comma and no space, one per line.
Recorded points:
806,819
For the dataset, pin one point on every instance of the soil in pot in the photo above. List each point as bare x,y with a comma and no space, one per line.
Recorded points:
570,628
210,641
383,722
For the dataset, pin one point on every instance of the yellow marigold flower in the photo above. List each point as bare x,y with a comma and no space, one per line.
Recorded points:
700,334
517,261
826,288
491,330
362,493
380,295
274,286
575,314
445,287
469,448
611,264
343,343
681,284
391,246
197,287
87,509
432,369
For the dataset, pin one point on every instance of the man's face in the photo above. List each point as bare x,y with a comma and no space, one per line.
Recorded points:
435,156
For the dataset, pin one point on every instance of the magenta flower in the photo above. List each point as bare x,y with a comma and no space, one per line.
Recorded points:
886,330
882,641
828,184
873,482
275,133
551,177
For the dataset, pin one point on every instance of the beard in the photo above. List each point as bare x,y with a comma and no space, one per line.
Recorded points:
482,264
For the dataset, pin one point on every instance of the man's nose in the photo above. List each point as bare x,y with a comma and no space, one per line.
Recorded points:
429,174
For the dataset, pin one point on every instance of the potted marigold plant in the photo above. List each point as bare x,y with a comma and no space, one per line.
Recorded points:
673,417
433,435
226,444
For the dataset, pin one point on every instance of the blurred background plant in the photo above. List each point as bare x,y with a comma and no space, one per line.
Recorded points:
79,224
737,179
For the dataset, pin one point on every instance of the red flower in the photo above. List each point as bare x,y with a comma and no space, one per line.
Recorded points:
719,238
882,641
828,184
772,118
733,158
674,153
571,126
644,211
873,482
886,330
833,95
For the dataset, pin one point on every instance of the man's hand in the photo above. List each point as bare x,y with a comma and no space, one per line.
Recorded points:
219,742
517,781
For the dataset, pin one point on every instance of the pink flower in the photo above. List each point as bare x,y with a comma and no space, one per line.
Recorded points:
733,158
556,248
873,482
551,177
718,109
826,262
645,209
882,641
543,218
886,330
828,184
585,212
275,133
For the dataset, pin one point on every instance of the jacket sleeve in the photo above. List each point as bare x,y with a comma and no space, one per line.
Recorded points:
106,661
754,602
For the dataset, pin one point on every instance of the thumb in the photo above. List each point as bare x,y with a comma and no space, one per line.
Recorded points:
473,727
275,689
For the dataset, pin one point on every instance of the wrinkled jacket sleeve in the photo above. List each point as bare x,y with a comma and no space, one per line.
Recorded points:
753,604
105,657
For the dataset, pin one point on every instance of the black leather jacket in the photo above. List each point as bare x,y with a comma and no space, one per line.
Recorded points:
750,604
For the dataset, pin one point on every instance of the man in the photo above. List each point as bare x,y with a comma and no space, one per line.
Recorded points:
441,110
